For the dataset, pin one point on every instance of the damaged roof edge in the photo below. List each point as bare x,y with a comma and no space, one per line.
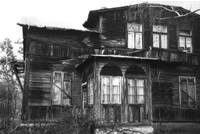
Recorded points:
55,28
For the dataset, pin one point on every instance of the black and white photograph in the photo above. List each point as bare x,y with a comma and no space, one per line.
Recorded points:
99,67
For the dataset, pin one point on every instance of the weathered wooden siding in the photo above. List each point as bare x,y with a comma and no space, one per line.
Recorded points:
196,35
173,39
112,26
113,30
39,88
76,89
45,51
170,56
165,92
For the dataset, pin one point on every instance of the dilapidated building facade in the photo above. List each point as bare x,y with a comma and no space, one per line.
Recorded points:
137,66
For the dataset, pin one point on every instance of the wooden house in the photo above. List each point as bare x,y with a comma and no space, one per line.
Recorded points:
138,67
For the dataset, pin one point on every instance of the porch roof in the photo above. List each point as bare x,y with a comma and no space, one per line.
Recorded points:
88,57
123,56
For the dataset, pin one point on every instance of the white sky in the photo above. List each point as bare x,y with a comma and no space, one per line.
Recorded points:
60,13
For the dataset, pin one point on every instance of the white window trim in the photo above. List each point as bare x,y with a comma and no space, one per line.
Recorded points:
180,77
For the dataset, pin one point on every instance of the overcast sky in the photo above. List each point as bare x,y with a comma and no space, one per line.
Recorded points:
59,13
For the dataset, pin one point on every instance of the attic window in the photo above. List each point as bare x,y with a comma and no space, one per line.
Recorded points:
185,40
134,35
160,36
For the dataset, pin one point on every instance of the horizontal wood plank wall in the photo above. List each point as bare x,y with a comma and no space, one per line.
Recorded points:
40,88
113,30
165,92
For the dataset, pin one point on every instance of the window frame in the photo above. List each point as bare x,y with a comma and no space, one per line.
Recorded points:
136,89
180,96
160,34
62,90
136,106
110,86
185,40
134,32
90,91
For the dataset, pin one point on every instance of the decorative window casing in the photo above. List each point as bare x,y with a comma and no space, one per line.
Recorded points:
187,92
160,36
136,99
90,91
61,88
185,40
111,89
134,35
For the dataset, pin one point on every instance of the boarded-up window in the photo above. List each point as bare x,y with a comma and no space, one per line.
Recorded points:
134,35
111,91
61,89
136,99
90,91
187,86
160,36
185,40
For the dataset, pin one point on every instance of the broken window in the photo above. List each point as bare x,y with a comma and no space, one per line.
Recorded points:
160,36
185,40
61,89
136,99
90,91
187,86
134,35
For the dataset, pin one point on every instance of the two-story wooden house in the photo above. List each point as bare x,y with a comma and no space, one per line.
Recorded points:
138,67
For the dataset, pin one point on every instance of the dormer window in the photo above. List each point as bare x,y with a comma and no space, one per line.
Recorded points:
185,40
160,36
134,35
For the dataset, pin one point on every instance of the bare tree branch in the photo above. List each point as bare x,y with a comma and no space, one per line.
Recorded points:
174,11
184,15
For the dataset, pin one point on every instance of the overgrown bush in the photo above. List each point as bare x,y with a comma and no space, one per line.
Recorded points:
71,121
